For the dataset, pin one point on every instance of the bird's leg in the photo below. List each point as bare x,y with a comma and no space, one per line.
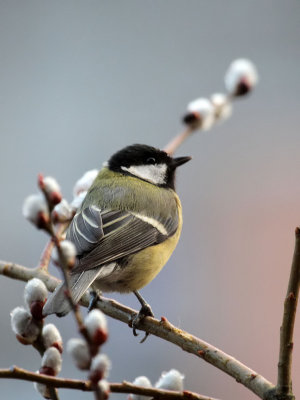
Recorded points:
145,311
94,297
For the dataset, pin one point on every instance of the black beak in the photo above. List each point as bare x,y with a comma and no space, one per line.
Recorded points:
176,162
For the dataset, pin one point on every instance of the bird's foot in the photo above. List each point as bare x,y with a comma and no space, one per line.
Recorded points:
144,312
94,297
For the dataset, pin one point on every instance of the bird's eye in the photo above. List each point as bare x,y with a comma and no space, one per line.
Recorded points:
151,160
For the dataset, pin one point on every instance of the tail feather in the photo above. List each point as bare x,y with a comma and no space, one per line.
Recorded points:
57,302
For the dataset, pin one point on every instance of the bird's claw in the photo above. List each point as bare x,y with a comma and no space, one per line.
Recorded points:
145,311
94,297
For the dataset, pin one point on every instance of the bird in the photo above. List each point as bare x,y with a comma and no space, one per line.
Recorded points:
126,228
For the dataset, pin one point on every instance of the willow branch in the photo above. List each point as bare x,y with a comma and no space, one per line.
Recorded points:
46,254
21,273
284,378
74,307
125,387
163,329
15,372
174,143
64,266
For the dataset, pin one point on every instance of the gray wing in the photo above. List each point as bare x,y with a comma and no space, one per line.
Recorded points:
122,234
100,238
86,229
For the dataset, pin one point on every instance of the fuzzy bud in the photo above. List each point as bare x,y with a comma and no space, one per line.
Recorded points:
222,106
42,389
24,326
51,188
35,209
68,252
96,325
100,367
51,337
144,382
200,114
241,77
79,351
35,290
77,201
104,388
51,362
62,212
85,182
172,380
35,295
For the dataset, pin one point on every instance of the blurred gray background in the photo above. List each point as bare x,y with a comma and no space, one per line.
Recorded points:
80,80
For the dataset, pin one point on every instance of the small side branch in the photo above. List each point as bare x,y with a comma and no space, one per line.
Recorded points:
176,142
284,379
25,375
125,387
68,293
46,254
21,273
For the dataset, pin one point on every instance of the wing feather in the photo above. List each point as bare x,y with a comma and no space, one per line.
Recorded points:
86,229
58,303
102,237
127,235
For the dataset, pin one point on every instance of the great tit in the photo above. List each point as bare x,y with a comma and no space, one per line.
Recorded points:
126,228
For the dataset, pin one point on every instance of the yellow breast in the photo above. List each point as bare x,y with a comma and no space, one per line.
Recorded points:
147,263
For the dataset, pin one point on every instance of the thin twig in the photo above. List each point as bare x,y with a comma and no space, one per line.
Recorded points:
163,329
284,378
15,372
125,387
17,271
173,145
76,310
68,293
46,254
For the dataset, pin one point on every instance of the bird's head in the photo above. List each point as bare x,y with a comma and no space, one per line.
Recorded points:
147,163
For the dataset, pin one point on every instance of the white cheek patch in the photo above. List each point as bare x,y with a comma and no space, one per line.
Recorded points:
154,173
